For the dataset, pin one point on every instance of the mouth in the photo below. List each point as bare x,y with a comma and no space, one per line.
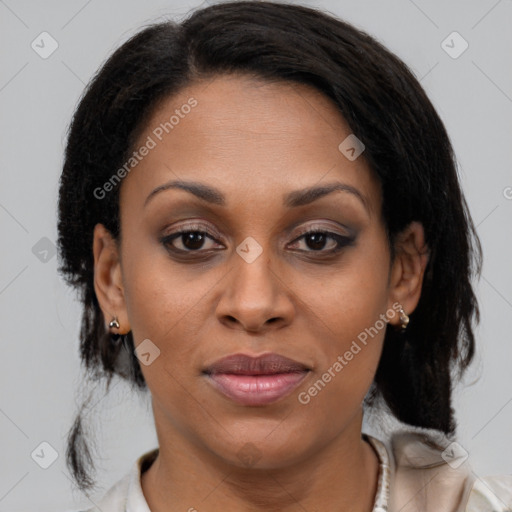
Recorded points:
255,381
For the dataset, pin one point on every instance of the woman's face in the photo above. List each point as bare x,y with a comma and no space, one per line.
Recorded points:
261,157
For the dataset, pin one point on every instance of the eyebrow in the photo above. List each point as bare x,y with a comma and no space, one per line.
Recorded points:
291,199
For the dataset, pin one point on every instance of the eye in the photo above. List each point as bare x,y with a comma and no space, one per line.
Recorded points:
194,238
191,239
317,239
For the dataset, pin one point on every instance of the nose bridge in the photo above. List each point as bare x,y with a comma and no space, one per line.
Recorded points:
253,280
254,293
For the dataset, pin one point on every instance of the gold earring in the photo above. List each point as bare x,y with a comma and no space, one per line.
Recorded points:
404,319
114,323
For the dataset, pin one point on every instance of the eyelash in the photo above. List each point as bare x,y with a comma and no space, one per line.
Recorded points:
341,241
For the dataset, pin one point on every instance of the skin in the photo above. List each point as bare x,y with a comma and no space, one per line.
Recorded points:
255,141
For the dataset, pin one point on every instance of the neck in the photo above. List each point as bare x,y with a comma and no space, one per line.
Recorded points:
342,476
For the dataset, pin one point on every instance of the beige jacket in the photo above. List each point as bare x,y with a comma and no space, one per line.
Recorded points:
427,479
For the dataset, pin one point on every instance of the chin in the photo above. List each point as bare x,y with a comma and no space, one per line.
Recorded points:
265,444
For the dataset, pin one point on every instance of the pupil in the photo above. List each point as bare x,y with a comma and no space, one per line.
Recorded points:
193,240
318,240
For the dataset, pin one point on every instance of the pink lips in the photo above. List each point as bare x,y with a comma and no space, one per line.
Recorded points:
256,380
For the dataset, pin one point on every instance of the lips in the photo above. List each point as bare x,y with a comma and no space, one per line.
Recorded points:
267,364
255,381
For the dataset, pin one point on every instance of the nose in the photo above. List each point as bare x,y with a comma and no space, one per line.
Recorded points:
255,297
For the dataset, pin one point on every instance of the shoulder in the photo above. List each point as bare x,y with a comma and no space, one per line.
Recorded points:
491,494
114,500
430,472
126,493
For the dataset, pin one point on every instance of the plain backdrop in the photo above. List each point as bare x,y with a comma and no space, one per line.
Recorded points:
40,370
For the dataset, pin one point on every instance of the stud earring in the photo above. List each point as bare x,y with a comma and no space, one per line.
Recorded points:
114,323
115,337
404,319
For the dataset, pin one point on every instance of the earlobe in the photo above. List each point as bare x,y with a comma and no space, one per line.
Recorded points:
108,284
408,270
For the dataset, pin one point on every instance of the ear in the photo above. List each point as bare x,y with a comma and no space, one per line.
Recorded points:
108,283
406,278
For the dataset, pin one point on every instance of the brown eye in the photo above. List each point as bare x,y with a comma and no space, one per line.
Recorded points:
190,240
316,240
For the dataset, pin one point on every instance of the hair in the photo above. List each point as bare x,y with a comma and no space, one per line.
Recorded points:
406,147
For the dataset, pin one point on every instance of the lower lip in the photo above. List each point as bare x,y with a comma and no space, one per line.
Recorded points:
256,389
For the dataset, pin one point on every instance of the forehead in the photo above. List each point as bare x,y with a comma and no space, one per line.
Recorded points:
246,136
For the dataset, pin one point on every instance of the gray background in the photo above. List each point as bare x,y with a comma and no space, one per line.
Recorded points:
40,372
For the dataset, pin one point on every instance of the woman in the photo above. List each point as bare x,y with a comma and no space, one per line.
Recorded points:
261,209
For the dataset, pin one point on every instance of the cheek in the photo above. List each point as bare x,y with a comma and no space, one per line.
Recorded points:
158,299
356,292
169,304
348,359
159,294
161,307
349,310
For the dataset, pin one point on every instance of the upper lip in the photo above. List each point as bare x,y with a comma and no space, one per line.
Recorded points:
266,364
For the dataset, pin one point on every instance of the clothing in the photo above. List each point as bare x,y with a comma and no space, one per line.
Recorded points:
413,477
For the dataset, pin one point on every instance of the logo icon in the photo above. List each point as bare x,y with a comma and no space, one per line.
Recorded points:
454,455
249,249
454,45
351,147
147,352
44,250
44,455
44,45
249,454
